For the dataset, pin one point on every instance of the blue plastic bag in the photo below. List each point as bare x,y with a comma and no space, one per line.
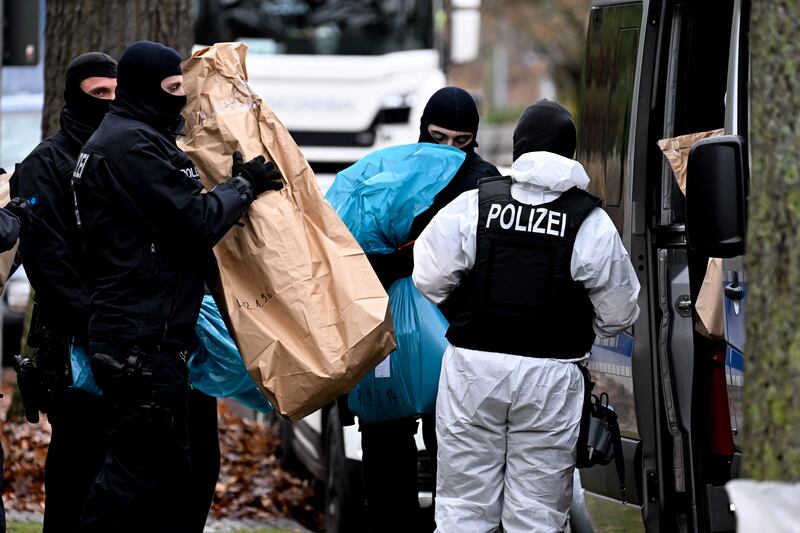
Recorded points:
378,199
379,196
406,382
216,368
82,377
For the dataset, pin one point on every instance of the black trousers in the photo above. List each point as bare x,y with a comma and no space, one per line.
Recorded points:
389,470
145,483
204,450
75,455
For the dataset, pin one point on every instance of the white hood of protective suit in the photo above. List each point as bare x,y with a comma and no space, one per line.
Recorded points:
540,177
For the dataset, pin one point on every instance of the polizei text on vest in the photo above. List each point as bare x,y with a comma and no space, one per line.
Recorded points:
537,220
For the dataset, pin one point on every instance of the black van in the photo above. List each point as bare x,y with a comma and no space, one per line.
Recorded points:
658,69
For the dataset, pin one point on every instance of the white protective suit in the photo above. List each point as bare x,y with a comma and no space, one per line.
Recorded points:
507,425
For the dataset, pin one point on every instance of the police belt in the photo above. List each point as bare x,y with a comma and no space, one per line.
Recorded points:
128,345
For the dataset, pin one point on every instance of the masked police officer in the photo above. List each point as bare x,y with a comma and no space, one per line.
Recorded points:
534,270
389,461
51,252
149,230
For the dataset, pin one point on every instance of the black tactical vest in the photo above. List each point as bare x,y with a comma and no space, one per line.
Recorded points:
520,297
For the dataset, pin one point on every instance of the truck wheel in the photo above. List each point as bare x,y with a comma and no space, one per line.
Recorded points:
342,482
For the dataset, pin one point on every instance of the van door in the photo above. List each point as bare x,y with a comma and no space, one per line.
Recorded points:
654,70
607,102
737,122
695,446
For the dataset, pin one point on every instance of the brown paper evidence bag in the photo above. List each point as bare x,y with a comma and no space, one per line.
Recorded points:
709,305
305,308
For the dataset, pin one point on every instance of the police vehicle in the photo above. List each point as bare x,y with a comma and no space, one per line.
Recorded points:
658,69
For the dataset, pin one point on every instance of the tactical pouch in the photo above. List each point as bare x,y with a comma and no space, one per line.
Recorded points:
29,381
120,377
133,384
599,439
603,427
52,359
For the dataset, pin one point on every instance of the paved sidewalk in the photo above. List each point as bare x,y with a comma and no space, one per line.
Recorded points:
225,525
228,525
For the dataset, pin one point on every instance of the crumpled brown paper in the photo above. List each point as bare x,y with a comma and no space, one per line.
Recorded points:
676,149
7,257
307,311
709,306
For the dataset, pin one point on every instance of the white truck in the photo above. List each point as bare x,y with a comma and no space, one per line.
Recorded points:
346,78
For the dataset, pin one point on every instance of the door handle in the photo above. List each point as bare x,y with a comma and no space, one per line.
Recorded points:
734,292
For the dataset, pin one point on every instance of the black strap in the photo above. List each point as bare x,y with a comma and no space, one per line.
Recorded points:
78,224
494,188
619,461
583,434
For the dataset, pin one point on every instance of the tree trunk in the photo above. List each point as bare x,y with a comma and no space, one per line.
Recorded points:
772,404
77,26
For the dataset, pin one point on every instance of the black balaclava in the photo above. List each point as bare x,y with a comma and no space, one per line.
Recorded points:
454,109
545,127
80,106
142,67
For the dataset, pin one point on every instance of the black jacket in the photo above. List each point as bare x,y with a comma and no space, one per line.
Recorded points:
51,248
400,264
148,228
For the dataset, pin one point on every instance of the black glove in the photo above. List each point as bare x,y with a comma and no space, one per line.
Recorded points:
393,266
22,210
262,175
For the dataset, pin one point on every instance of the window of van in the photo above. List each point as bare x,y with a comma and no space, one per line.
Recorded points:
697,81
703,67
609,76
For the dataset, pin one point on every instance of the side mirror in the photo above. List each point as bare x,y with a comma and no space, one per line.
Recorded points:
717,174
465,31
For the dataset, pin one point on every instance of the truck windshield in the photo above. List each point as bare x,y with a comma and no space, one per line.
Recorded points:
331,27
